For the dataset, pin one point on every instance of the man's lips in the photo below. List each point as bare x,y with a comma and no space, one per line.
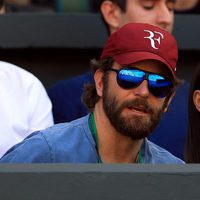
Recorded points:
138,110
137,107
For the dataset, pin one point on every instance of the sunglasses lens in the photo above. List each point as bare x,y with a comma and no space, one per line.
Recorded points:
130,78
159,86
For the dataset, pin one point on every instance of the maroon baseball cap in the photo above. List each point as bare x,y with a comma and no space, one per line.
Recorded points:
136,42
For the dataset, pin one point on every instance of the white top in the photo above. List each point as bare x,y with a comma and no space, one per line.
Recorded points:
24,105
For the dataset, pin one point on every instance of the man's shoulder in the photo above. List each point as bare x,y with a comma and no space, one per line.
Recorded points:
68,128
156,154
66,142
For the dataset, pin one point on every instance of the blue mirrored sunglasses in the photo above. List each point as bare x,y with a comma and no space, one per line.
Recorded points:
129,78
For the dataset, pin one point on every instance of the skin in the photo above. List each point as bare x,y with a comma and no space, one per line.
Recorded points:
2,10
124,149
196,99
156,12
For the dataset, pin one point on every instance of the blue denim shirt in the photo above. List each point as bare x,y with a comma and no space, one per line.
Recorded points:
73,143
66,95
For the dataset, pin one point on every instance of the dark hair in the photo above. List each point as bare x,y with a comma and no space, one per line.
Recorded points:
192,153
1,3
90,96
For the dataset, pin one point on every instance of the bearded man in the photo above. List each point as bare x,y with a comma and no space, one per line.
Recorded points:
135,81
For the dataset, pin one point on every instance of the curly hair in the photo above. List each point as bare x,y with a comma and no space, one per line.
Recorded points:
90,96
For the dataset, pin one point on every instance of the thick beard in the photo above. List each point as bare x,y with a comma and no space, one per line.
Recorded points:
136,127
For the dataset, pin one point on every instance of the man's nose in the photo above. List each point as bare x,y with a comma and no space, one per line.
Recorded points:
142,90
164,17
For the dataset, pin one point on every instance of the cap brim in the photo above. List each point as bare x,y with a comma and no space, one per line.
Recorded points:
133,57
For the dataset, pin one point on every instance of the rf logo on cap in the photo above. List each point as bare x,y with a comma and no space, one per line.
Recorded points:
153,39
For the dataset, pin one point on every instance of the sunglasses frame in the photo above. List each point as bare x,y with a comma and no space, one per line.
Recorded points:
147,73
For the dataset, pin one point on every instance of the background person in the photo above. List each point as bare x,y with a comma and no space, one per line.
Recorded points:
24,106
134,84
193,138
66,94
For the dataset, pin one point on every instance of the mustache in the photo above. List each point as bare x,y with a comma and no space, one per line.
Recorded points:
139,103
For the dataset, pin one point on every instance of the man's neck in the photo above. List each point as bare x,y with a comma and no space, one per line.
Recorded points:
114,147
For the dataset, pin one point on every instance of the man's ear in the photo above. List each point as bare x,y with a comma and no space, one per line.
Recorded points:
111,14
169,101
98,78
196,99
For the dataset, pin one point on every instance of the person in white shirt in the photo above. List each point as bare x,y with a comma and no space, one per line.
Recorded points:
24,106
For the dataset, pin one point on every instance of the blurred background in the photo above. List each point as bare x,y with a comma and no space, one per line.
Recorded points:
55,39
